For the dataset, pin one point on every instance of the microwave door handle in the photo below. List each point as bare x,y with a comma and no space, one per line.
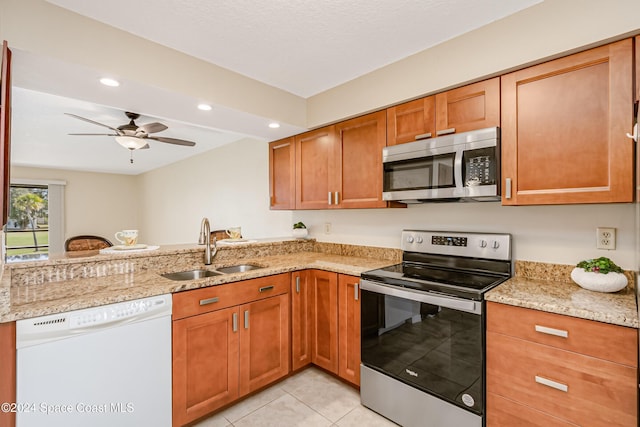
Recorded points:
457,169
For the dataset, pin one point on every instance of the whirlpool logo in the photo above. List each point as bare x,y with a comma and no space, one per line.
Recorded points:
410,372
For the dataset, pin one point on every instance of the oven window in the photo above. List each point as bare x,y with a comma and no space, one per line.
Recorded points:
419,174
432,348
479,167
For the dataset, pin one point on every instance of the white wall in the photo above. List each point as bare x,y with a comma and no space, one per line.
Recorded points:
95,203
554,234
229,185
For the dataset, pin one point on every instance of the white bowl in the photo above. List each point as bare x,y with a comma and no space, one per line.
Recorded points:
610,282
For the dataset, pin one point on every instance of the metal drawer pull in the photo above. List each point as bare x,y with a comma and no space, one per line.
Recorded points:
298,284
336,198
209,301
266,288
552,331
329,197
507,188
246,319
552,384
355,291
235,322
423,136
446,131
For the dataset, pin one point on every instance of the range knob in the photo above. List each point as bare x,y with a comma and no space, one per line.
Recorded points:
495,244
410,239
419,239
483,243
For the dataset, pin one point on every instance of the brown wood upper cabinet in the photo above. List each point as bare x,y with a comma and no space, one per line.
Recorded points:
466,108
564,126
340,166
282,180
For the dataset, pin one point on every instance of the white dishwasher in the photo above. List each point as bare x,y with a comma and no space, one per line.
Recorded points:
101,367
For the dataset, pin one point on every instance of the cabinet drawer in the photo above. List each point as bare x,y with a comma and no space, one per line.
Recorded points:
198,301
610,342
504,412
577,388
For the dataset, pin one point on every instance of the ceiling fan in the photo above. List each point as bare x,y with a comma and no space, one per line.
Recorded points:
132,136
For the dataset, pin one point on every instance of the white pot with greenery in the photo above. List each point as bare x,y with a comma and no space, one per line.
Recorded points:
300,230
600,275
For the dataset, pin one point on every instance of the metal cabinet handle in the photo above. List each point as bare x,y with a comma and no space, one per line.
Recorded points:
445,131
355,291
297,284
266,288
246,319
235,322
423,136
507,188
552,384
635,136
336,197
552,331
329,198
209,300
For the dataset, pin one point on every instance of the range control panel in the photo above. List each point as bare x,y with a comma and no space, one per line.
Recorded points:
467,244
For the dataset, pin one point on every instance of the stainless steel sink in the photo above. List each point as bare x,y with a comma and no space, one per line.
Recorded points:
191,274
240,268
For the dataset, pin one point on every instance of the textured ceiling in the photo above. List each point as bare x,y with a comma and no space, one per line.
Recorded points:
301,46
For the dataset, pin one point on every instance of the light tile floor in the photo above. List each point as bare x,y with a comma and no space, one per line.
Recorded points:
311,398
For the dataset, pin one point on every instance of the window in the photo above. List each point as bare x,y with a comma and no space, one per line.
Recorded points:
35,226
27,229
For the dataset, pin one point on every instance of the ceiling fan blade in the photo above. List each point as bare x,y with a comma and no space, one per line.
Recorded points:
173,141
118,131
153,127
94,134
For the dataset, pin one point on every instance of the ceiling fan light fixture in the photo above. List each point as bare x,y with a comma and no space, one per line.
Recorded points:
131,142
109,82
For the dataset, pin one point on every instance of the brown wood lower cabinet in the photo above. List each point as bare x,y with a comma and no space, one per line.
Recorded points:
547,369
223,354
325,329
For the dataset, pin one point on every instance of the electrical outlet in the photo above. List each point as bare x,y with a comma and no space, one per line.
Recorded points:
606,238
327,228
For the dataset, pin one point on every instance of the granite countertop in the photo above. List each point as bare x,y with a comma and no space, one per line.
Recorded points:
556,294
33,298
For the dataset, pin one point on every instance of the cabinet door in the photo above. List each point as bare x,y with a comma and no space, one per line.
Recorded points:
300,320
408,120
282,172
564,126
470,107
349,328
355,175
313,153
205,364
324,319
637,57
264,342
5,130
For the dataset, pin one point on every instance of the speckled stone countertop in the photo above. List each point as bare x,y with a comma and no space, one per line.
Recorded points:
71,283
548,287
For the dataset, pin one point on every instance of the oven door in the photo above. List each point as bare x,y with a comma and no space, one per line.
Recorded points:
430,342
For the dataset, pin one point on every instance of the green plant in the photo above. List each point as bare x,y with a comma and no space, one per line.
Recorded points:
299,225
600,265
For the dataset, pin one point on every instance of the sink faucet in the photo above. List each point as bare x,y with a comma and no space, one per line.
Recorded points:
205,239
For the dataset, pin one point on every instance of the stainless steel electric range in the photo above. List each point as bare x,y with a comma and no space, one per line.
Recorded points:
423,328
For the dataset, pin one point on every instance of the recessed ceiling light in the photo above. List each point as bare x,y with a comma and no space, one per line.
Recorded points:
204,107
109,82
274,125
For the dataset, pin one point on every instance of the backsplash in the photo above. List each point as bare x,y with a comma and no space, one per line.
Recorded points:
176,258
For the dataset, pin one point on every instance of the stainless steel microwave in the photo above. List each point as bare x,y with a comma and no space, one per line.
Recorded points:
462,166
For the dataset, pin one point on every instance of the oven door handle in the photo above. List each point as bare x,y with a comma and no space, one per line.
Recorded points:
474,307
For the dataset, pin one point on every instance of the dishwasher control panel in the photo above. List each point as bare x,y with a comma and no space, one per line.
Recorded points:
55,326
